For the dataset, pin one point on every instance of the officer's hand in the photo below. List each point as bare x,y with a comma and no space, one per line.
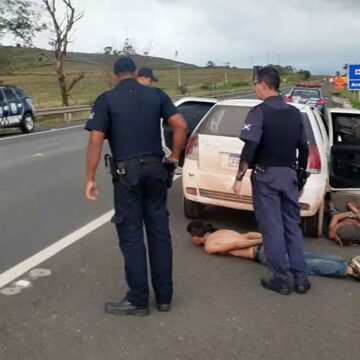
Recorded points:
237,187
91,190
172,160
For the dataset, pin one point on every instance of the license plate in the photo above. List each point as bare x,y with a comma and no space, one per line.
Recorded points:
233,160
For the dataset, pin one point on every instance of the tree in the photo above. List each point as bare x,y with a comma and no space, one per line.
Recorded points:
21,19
62,27
128,48
210,64
305,73
108,50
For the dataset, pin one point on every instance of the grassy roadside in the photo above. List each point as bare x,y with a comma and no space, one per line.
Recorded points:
352,96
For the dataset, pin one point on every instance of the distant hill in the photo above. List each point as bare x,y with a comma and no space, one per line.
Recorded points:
29,60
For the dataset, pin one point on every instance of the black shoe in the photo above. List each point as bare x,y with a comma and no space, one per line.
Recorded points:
164,307
274,285
125,307
303,288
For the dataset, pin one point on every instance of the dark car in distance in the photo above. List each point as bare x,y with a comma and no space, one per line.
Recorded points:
16,109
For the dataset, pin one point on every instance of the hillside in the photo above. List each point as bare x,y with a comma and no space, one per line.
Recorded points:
34,71
29,60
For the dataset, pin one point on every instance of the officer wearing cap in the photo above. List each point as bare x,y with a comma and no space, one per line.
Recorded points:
273,133
145,76
129,117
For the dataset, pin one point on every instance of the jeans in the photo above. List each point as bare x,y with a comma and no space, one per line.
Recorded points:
319,264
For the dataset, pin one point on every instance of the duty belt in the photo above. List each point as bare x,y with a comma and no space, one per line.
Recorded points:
146,159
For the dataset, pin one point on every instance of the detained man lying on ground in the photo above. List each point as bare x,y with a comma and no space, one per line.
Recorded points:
249,246
344,227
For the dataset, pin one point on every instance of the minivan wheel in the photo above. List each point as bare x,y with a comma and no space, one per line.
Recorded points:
27,123
192,209
313,225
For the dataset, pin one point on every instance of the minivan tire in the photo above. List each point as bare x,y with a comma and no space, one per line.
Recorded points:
313,225
192,209
27,123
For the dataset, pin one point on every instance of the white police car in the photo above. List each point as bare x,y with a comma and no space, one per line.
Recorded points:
16,109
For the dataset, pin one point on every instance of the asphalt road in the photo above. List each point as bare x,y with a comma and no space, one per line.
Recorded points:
41,192
219,310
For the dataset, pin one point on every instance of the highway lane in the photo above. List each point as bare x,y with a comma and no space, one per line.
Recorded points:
41,192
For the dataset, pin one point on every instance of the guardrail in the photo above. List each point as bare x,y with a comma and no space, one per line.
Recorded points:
80,108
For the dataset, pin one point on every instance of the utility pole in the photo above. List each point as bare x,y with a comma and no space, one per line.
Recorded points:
179,76
252,61
225,74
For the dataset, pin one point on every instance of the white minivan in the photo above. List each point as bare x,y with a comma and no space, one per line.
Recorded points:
212,158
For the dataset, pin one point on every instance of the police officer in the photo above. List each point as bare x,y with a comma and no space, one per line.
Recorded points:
145,76
129,117
273,132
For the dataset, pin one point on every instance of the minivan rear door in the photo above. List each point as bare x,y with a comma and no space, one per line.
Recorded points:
344,137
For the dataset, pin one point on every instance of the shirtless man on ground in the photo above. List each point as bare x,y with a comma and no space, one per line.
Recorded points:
344,227
248,246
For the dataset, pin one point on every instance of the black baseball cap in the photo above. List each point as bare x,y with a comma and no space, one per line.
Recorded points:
146,72
124,64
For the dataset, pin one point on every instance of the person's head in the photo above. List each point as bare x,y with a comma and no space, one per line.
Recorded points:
124,68
348,234
198,229
145,76
267,82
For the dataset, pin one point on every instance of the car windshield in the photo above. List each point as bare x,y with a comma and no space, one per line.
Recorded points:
229,120
306,93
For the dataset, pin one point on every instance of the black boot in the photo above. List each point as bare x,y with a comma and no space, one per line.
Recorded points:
125,307
302,288
275,285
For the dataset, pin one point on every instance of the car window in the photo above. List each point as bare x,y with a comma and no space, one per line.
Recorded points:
224,121
346,129
10,95
308,129
306,93
1,97
20,93
193,112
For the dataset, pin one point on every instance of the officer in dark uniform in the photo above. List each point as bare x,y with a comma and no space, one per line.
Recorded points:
273,132
129,117
145,76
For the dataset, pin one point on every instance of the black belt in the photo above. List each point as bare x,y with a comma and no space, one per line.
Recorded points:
146,159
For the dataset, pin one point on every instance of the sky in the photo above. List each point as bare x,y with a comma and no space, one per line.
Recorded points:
318,35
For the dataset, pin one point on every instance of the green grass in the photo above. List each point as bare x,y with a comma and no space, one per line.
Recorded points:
352,96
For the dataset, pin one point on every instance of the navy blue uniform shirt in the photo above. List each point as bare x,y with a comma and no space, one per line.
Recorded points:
253,126
129,115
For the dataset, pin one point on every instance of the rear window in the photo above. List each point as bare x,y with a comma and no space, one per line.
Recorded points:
346,129
10,95
193,112
306,94
224,121
308,129
229,120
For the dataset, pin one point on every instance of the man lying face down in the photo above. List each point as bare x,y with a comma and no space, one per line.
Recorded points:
249,246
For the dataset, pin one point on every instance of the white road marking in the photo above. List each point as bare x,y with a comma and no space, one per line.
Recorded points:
18,270
28,264
41,132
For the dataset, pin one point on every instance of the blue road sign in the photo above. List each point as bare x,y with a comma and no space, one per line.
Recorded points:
354,77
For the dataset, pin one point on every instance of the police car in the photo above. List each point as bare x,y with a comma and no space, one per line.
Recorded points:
310,95
212,158
16,109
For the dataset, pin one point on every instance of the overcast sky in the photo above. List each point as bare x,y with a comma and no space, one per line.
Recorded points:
319,35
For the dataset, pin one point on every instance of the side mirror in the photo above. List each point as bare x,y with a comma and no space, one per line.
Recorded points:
326,98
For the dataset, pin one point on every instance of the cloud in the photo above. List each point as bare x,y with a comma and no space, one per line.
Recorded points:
320,35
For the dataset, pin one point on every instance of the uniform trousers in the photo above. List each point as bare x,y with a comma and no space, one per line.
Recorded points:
277,211
140,199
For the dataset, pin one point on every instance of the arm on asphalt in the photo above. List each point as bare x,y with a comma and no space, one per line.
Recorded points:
94,148
178,123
